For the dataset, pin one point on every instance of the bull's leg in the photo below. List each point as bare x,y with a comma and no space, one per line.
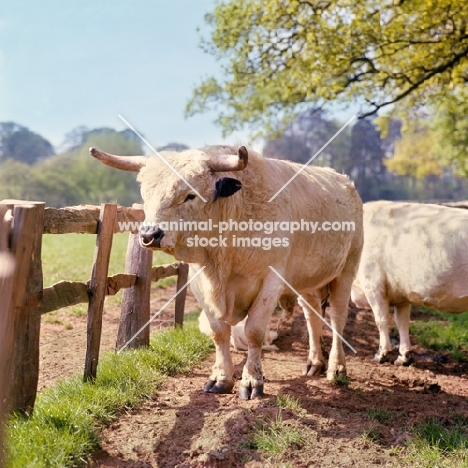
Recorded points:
251,385
315,361
402,317
221,379
380,305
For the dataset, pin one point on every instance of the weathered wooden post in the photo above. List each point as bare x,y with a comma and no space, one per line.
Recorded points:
26,246
7,270
135,311
98,286
182,278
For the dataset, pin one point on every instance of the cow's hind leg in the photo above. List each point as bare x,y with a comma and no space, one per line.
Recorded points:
402,318
380,306
338,312
340,291
311,305
221,379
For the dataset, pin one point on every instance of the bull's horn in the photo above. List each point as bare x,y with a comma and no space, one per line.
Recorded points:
233,162
125,163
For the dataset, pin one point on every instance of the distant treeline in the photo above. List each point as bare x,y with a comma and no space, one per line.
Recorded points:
390,165
30,169
27,172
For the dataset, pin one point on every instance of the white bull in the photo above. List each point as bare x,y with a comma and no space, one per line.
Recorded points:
234,278
413,254
239,339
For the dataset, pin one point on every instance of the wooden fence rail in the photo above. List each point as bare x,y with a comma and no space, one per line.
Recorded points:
22,225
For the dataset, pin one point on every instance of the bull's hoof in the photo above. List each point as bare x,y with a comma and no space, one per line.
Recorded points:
250,393
403,360
311,370
212,386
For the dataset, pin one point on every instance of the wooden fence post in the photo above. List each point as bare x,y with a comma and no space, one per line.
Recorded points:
98,287
7,271
182,279
26,245
135,311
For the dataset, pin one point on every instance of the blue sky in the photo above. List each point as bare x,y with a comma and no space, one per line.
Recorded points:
70,63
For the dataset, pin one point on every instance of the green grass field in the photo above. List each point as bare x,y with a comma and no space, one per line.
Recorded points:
443,332
70,256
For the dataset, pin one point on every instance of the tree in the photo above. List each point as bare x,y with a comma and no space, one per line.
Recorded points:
366,166
75,138
78,136
416,153
450,124
15,180
174,146
281,55
304,137
20,144
422,155
74,177
98,183
390,134
358,152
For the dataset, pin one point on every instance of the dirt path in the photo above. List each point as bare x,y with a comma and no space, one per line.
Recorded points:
184,427
63,335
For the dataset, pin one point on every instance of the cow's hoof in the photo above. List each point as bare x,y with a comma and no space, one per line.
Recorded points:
403,360
381,358
250,393
218,387
311,370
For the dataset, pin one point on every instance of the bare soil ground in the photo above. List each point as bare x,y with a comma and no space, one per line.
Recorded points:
184,427
63,335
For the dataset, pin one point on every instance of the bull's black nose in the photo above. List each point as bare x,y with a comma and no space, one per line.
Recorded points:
151,236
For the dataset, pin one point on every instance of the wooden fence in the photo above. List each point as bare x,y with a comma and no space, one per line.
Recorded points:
7,271
23,299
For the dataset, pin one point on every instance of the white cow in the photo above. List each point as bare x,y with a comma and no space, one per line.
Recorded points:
413,254
246,279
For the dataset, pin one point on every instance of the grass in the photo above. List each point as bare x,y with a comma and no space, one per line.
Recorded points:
440,443
341,380
64,428
289,402
70,257
444,333
381,415
373,434
275,437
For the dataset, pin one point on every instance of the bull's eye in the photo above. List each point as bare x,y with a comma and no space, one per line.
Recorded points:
190,196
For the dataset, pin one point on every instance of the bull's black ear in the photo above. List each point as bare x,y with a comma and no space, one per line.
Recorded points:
226,187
